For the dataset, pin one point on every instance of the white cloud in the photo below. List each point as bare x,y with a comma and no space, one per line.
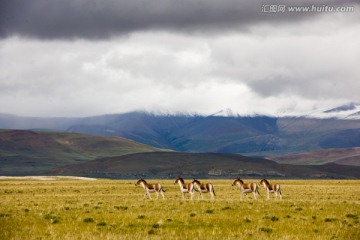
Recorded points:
267,70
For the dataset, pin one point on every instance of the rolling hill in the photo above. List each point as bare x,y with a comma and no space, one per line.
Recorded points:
25,152
201,165
247,135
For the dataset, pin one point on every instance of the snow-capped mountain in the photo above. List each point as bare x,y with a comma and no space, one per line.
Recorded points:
346,111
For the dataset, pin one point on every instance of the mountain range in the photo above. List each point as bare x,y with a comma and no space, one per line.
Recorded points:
26,152
254,135
307,139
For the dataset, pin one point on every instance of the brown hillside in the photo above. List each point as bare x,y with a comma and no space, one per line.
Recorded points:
346,156
24,152
200,165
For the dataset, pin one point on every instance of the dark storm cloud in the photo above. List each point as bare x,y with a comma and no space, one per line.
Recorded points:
94,19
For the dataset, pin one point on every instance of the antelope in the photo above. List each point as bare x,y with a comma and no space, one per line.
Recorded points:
246,188
204,188
185,187
156,187
275,188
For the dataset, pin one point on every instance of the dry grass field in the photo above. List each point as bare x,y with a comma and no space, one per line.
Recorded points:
65,208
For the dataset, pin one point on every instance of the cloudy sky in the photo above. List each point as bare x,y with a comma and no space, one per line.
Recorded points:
91,57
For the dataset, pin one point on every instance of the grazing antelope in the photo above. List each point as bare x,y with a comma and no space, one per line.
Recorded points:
275,188
185,187
204,188
157,188
246,188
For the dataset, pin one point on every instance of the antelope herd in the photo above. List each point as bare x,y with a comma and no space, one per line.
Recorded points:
197,186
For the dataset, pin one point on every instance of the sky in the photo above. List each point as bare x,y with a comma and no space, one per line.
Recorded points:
75,58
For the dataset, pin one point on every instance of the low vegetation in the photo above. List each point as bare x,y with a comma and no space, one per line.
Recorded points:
24,152
66,208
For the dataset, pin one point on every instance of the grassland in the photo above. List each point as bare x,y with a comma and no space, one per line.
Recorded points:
115,209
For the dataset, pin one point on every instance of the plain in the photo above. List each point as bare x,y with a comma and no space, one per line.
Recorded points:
66,208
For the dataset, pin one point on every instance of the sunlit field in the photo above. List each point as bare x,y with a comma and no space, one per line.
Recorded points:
116,209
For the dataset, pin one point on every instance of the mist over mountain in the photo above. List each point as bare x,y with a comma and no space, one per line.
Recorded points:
346,111
346,107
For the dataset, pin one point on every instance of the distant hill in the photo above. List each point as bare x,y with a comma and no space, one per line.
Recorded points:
201,165
344,156
25,152
246,135
253,136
